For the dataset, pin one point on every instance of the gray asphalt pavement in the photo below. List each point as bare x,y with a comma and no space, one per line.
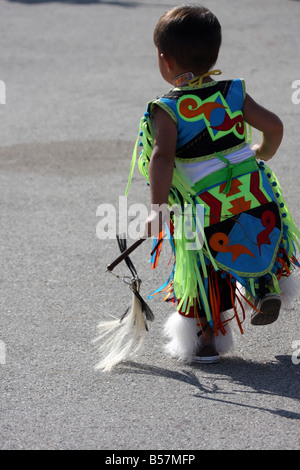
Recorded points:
78,76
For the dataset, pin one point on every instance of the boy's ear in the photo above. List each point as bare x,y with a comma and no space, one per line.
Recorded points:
168,60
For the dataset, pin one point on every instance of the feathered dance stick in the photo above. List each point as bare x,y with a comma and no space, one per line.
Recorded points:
125,252
119,337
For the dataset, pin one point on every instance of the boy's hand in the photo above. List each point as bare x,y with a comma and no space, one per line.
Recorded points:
155,222
260,153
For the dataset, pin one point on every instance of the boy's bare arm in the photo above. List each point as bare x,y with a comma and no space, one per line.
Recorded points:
161,165
162,160
268,123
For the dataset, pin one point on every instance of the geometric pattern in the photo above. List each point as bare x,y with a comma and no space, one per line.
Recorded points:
220,206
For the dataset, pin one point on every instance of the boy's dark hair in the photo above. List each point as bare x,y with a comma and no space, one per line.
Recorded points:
192,35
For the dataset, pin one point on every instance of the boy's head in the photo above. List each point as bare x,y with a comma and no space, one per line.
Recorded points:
191,35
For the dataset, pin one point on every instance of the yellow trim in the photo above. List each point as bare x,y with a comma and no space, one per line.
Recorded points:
165,107
204,85
197,81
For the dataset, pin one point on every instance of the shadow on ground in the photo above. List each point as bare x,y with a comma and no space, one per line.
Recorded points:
280,378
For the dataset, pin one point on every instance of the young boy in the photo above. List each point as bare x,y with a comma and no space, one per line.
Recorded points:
195,154
199,130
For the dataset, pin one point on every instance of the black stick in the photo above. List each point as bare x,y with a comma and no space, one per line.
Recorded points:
125,253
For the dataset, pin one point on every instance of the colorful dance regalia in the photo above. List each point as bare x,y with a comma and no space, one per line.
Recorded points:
233,228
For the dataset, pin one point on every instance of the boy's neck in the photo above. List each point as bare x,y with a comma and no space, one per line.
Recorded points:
184,78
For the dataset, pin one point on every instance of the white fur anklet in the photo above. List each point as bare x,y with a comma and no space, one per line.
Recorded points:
289,291
225,343
184,341
182,333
